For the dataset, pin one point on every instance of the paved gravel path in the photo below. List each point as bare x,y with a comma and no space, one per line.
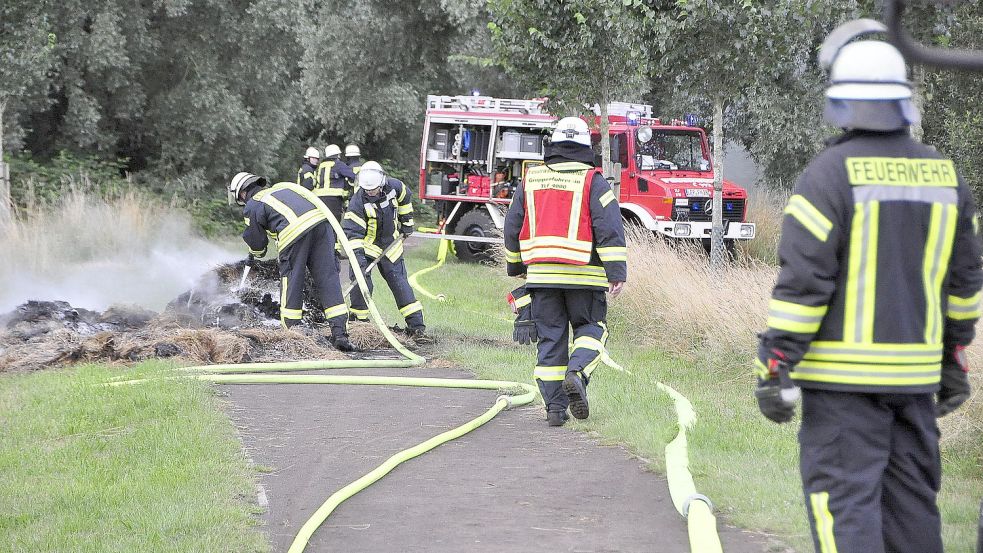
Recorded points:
512,485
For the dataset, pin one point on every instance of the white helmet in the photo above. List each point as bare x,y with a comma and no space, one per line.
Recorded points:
332,150
352,150
571,129
868,70
312,152
371,176
240,182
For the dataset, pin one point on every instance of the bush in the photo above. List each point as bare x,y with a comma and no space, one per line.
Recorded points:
37,183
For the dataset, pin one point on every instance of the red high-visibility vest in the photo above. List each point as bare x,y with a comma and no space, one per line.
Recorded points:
557,224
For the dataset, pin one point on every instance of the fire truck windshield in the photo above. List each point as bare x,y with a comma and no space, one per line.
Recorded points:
673,150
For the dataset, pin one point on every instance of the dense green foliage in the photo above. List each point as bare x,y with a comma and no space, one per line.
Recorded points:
189,92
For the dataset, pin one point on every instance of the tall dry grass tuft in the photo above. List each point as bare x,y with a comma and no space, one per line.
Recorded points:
676,301
765,210
93,252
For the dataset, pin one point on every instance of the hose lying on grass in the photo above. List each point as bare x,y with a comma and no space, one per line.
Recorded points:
697,509
521,393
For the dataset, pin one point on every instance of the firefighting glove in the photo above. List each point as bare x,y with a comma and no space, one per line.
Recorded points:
406,232
776,393
520,301
525,332
251,261
955,381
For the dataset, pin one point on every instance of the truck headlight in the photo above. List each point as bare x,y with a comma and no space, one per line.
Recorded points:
681,229
747,231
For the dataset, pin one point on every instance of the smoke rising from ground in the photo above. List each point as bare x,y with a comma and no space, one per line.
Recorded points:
92,254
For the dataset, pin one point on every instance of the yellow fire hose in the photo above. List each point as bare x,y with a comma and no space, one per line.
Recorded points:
696,508
524,393
442,249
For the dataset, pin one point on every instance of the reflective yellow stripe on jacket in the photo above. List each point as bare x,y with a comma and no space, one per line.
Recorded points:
800,209
871,364
297,225
613,253
794,317
962,309
562,274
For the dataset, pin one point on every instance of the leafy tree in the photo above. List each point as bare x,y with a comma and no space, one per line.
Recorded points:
368,66
576,52
952,120
727,52
180,86
25,45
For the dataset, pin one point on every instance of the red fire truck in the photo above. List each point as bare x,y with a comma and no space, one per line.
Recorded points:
476,149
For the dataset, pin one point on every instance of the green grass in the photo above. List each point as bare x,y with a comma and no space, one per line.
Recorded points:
745,464
150,467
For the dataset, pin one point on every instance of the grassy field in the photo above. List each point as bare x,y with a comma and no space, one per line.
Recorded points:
745,464
155,467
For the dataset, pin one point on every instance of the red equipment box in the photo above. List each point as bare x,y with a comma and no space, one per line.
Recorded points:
479,185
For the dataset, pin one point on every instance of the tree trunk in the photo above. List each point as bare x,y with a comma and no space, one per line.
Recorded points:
4,180
717,251
919,78
605,135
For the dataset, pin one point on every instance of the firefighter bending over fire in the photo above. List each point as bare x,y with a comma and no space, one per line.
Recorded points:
875,303
564,233
379,218
304,240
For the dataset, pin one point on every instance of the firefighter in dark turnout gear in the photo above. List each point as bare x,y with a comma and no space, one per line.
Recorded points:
379,217
307,174
353,157
877,296
304,240
564,233
335,181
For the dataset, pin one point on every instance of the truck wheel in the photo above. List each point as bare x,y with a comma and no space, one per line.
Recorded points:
476,222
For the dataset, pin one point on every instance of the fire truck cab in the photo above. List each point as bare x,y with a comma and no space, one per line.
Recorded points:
476,150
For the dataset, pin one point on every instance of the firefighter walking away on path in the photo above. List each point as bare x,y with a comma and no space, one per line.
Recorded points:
564,233
335,181
875,302
304,239
307,174
379,218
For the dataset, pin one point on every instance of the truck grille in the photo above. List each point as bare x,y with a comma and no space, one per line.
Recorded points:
697,210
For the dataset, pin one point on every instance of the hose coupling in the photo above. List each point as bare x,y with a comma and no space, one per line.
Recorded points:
697,497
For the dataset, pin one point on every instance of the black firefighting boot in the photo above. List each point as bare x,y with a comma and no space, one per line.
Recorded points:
575,386
339,339
341,343
419,334
556,418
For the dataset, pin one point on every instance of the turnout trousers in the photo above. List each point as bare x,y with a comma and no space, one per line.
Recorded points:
557,312
394,274
315,251
870,472
336,205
